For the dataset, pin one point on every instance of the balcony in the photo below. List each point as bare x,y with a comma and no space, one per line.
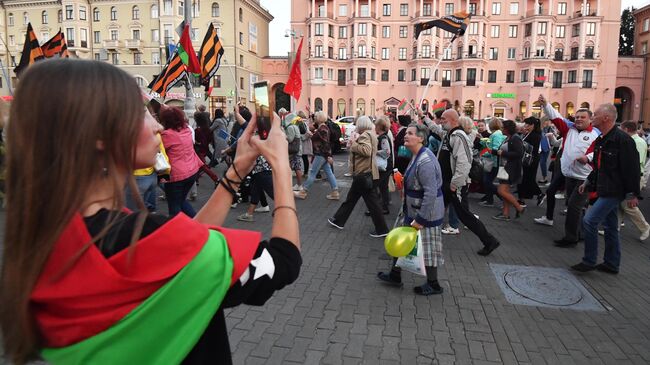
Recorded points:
427,13
322,14
446,83
559,56
133,43
587,84
372,14
109,44
424,81
540,11
471,82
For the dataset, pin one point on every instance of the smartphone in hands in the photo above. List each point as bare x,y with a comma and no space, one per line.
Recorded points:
262,108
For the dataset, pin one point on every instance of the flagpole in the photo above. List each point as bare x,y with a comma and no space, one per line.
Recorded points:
431,71
188,106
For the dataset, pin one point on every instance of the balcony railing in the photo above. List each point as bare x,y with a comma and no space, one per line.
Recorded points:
328,14
371,14
446,83
109,44
427,13
471,82
540,11
587,84
133,43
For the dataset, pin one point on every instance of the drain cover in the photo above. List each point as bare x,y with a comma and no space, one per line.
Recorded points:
544,287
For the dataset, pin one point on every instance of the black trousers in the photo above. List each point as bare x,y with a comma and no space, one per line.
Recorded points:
557,182
370,197
577,203
384,176
468,218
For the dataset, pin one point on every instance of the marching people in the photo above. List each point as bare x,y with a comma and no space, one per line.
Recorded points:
528,187
510,153
84,285
294,137
220,136
261,183
494,142
545,150
385,155
615,178
557,181
578,140
365,180
423,209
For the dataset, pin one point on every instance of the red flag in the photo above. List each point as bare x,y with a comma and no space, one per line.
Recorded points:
293,86
541,78
186,52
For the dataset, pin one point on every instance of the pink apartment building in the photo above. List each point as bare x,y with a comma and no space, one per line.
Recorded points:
360,56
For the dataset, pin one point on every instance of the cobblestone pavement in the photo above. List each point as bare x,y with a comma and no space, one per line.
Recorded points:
337,312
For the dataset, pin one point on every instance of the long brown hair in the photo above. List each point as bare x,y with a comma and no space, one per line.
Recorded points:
61,109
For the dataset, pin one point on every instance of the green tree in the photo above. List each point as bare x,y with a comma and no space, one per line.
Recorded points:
626,37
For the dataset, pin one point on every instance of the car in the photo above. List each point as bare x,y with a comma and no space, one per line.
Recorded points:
347,128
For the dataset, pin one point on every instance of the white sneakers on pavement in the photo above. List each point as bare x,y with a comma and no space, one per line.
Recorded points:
645,234
450,230
265,209
544,221
297,187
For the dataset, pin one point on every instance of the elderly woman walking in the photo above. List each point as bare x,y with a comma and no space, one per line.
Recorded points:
365,180
423,209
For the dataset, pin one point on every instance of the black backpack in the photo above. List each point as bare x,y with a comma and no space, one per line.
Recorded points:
302,127
335,132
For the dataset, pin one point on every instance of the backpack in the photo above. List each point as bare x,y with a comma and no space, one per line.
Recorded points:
294,146
302,127
335,132
527,158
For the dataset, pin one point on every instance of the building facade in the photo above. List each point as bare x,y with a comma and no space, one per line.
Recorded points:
639,97
134,36
361,55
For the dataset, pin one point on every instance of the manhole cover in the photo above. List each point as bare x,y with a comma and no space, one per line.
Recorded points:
543,287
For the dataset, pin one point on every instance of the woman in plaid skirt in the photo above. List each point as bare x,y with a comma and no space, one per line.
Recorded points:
423,209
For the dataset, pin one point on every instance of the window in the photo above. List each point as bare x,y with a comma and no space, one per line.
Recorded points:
526,53
97,37
514,8
241,16
512,53
167,7
135,13
591,28
403,9
528,29
318,51
318,73
472,9
343,32
541,28
402,54
646,24
561,9
59,17
386,10
343,11
181,8
403,31
575,30
492,76
321,11
496,8
361,51
589,52
95,14
137,58
494,31
241,83
459,74
115,58
471,77
69,12
385,53
196,8
524,76
401,75
114,35
113,13
25,18
473,28
385,32
587,76
361,76
363,29
343,53
364,10
510,77
216,11
559,54
446,78
559,31
494,53
572,76
424,75
540,52
385,75
426,10
330,74
217,81
557,79
512,31
241,38
446,54
449,9
644,48
12,40
341,77
69,36
574,53
539,78
318,29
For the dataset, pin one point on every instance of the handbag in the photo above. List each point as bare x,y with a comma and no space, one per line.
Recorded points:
382,163
294,146
527,158
414,261
391,184
503,174
488,163
476,171
161,165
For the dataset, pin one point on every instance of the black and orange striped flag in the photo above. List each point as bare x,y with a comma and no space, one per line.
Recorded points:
210,56
455,24
31,51
169,76
56,46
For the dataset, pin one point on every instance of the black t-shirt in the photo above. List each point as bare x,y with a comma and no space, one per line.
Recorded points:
213,346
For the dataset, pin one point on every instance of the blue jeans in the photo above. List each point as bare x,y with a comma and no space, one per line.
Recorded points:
488,184
543,163
176,193
147,186
603,211
318,163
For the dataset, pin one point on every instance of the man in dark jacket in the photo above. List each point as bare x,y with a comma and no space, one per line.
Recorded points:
615,178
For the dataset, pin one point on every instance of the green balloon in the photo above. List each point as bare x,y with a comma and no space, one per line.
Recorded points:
400,241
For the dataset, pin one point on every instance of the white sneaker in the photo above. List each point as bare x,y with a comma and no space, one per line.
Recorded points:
601,232
297,187
450,230
233,205
265,209
477,217
544,221
645,234
347,174
559,196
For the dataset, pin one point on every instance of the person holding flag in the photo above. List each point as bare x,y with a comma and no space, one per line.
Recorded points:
86,281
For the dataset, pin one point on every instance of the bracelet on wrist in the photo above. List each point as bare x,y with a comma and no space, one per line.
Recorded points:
284,207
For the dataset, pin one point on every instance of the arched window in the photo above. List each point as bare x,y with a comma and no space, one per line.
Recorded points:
569,108
215,10
44,17
241,15
340,104
135,12
154,11
318,104
469,108
361,107
556,106
522,108
113,13
95,14
584,105
536,110
141,81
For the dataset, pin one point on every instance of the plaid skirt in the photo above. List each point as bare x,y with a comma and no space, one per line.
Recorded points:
432,246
